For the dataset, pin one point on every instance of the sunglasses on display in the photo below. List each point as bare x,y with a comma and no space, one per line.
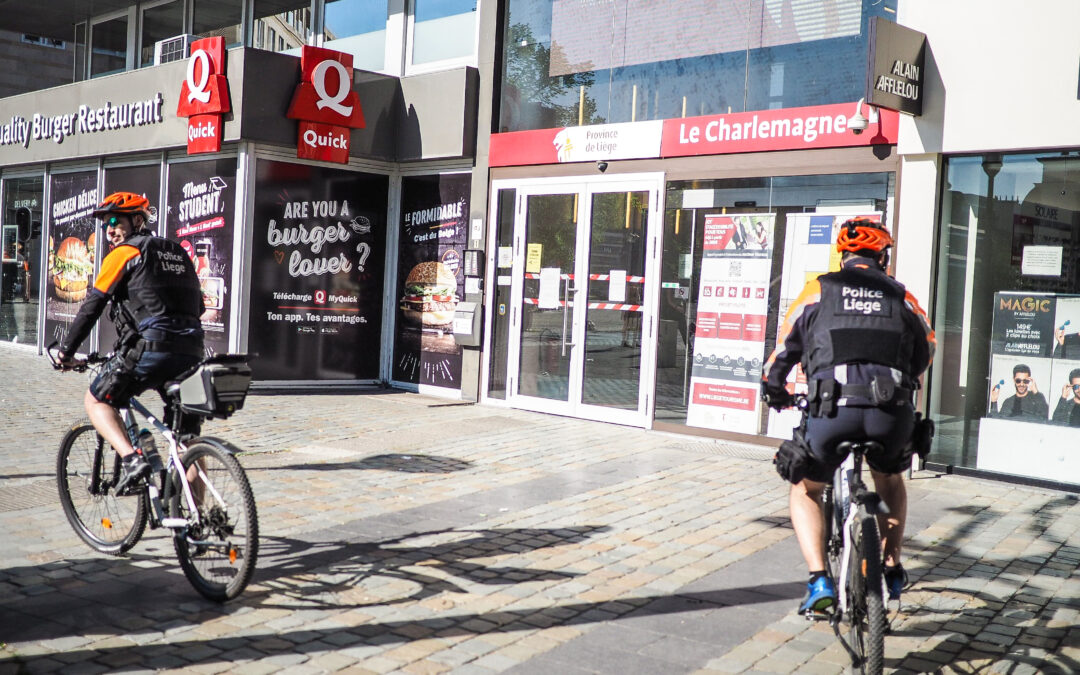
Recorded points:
1022,381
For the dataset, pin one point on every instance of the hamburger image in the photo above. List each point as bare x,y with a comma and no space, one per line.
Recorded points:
430,295
71,270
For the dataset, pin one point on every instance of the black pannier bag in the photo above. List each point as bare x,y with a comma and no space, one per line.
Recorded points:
218,387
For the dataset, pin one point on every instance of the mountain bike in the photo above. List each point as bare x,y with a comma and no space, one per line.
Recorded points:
853,547
199,491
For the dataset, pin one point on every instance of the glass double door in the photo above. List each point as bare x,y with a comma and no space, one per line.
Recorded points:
583,298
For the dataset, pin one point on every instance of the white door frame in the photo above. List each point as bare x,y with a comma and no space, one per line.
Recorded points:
586,187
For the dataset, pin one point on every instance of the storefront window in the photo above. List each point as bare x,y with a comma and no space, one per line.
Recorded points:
443,30
357,27
219,17
20,275
109,42
1008,315
583,62
736,253
159,22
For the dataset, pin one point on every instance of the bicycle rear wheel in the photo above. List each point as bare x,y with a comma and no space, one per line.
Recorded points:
866,606
86,470
218,551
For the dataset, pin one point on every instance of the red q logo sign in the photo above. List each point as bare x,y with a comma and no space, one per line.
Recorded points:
326,105
204,95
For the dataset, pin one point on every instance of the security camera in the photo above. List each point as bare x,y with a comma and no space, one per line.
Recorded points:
857,123
601,166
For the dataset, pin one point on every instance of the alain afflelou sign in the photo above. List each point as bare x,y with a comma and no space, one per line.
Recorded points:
896,68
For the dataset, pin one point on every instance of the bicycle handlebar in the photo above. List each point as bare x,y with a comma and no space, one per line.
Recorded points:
76,365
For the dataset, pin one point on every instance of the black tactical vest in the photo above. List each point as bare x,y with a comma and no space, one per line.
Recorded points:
163,285
859,319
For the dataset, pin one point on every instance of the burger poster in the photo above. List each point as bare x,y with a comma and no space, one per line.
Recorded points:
201,203
317,268
433,235
71,235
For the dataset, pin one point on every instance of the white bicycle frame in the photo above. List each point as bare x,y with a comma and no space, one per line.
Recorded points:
174,460
844,498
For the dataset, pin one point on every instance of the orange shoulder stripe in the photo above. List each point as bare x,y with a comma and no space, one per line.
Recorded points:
112,267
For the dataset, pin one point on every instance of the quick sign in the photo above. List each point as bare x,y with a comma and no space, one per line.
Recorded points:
204,95
326,105
896,69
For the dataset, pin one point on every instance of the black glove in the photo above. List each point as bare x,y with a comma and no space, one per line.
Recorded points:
777,399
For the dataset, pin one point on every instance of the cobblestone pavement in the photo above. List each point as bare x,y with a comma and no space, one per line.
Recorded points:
403,533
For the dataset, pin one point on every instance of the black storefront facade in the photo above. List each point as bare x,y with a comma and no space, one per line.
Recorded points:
303,262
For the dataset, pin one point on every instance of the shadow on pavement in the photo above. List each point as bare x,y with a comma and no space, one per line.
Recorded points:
1021,630
399,462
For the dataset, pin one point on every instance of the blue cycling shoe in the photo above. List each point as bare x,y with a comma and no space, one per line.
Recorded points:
895,580
820,596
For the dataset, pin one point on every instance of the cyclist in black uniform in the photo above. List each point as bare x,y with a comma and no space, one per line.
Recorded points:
863,342
156,305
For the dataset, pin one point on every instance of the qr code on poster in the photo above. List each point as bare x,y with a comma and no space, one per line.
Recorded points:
735,269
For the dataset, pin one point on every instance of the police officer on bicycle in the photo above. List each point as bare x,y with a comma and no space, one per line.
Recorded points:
863,341
156,303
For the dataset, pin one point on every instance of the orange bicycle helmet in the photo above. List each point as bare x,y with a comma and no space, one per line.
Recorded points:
123,203
863,234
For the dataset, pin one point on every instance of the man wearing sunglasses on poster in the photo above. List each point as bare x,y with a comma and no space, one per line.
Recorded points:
1067,411
156,303
1028,403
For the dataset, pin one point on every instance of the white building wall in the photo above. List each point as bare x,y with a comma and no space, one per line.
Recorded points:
1000,75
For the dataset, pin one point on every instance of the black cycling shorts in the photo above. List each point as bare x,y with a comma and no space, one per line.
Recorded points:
892,427
116,385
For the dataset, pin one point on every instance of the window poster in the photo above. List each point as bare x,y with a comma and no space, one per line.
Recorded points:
433,233
1034,387
733,303
143,180
809,251
317,265
71,240
199,214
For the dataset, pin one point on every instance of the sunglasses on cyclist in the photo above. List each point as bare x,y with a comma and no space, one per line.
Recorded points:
112,221
1021,380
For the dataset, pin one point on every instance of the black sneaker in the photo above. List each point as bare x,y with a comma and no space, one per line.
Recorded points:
895,580
133,469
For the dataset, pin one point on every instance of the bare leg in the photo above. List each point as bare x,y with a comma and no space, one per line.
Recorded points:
809,522
107,422
891,489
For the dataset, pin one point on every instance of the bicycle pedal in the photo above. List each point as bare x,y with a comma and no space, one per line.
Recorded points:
174,523
818,615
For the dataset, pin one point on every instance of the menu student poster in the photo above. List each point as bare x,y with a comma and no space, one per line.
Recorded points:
733,303
317,266
71,240
201,204
430,280
809,251
142,180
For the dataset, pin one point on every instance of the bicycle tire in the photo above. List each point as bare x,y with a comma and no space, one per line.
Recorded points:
107,523
866,604
222,570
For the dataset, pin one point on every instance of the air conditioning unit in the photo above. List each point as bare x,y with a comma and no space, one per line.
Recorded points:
172,49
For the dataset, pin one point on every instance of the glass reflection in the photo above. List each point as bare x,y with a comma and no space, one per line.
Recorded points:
616,303
358,27
620,61
544,369
20,274
109,47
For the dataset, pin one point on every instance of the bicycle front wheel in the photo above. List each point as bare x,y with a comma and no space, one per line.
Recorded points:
867,606
87,468
218,551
